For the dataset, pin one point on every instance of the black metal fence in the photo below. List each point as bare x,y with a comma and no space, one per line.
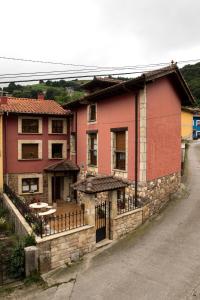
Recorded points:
34,221
127,204
46,225
61,223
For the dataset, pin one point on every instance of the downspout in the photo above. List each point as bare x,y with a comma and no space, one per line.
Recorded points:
136,149
5,152
136,144
76,137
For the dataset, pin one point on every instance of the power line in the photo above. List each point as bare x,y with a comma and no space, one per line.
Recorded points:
69,77
77,72
74,65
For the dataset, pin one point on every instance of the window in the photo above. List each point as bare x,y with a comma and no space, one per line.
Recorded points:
57,126
92,149
119,150
57,151
30,125
30,151
92,113
197,122
30,185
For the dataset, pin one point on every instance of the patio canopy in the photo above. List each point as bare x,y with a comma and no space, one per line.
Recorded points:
99,184
63,166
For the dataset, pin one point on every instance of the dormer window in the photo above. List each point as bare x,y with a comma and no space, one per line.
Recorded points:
92,112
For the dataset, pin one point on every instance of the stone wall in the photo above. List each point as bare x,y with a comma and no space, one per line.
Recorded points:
13,184
125,223
65,247
20,225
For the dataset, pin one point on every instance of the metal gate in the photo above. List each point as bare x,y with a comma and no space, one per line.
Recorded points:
102,220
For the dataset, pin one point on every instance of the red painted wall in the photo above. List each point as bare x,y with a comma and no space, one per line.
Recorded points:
115,112
11,137
163,129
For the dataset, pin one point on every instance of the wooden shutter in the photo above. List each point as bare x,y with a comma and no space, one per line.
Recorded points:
29,151
120,141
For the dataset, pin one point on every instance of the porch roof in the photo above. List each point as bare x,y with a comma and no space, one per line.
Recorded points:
99,184
62,166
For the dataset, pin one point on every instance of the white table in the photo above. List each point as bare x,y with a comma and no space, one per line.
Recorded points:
48,212
39,205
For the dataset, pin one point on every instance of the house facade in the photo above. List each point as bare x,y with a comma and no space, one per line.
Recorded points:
196,125
186,123
132,130
1,153
36,148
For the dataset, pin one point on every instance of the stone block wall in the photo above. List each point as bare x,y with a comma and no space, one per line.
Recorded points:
66,247
13,184
21,227
125,223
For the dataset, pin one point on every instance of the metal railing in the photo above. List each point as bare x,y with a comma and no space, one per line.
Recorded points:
127,204
64,222
46,225
34,221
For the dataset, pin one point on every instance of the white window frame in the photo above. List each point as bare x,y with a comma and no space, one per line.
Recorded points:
30,176
50,125
88,141
21,142
88,113
64,148
20,118
197,121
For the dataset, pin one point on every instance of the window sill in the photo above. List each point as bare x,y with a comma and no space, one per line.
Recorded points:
92,166
118,170
29,193
28,159
61,133
92,122
30,133
56,158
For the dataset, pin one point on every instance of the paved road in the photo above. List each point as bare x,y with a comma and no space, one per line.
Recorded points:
162,262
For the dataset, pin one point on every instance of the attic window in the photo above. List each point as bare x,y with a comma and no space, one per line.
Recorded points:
92,112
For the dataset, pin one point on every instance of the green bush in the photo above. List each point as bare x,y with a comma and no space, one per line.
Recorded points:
3,212
29,240
17,261
4,225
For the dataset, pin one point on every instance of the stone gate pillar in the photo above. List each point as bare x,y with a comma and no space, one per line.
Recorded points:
89,202
113,213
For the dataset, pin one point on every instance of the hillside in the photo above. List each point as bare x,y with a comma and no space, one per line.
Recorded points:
191,73
62,91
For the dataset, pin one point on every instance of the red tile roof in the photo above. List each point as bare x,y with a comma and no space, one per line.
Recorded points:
99,184
31,106
62,166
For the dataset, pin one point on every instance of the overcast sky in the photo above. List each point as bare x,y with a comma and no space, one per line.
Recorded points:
97,32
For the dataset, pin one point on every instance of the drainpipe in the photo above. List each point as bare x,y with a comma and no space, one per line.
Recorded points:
76,137
5,152
136,143
136,149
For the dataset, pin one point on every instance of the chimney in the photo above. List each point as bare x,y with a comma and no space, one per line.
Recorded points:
3,100
40,96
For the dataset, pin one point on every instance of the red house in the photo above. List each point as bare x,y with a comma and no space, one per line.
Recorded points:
36,149
132,130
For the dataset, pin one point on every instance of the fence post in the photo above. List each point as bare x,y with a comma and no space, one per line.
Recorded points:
89,203
112,196
31,260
